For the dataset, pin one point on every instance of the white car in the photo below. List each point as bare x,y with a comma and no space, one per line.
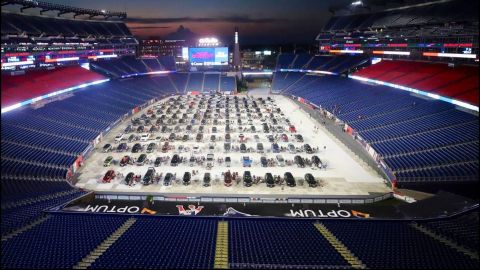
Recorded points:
145,137
280,161
119,137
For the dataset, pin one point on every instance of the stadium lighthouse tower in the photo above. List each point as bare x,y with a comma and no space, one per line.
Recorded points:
236,52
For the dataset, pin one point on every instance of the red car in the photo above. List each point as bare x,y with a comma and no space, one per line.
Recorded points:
228,179
292,129
284,137
109,176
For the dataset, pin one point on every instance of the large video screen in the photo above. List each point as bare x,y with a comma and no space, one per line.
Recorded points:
208,56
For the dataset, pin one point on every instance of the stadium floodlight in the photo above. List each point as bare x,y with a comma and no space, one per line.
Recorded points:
356,3
208,41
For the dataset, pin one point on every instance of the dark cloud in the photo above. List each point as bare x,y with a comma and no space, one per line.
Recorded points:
232,19
148,27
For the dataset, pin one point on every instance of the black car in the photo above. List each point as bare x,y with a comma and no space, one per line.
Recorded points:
129,178
213,138
149,176
131,138
214,129
157,162
136,122
243,148
136,148
299,161
227,128
171,137
153,129
186,178
185,138
269,180
299,137
168,179
107,148
226,147
128,129
141,129
206,179
263,161
270,138
310,180
288,177
141,159
316,161
259,147
308,149
175,160
164,129
122,147
247,179
252,129
227,137
199,137
151,147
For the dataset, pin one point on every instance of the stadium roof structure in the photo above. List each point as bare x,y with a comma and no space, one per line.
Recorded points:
63,9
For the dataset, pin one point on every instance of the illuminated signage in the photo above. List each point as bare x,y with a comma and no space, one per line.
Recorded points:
391,52
453,55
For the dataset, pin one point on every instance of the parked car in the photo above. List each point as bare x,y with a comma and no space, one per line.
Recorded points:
137,148
284,137
171,137
126,160
246,161
140,129
119,137
149,176
151,147
129,178
165,147
260,148
288,177
310,180
227,179
128,129
316,161
206,179
243,148
227,137
213,138
157,162
107,148
299,161
292,149
145,137
108,161
186,178
199,137
175,160
280,161
131,138
299,138
168,179
263,161
275,148
228,161
122,147
308,149
109,176
141,159
247,179
185,138
269,180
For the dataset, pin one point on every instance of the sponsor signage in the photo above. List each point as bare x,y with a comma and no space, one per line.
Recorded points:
204,208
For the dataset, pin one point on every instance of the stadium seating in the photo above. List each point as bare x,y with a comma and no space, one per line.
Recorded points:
336,64
36,25
211,82
421,141
37,83
417,15
59,242
129,65
458,82
228,83
258,242
195,82
166,242
386,244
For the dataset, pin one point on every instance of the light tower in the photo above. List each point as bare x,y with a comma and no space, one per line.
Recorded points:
236,52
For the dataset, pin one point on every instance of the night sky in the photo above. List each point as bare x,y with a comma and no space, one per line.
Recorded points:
259,21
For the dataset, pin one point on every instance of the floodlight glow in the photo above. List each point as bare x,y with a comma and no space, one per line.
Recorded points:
391,52
453,55
345,51
17,63
420,92
62,59
356,3
102,56
257,73
29,101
